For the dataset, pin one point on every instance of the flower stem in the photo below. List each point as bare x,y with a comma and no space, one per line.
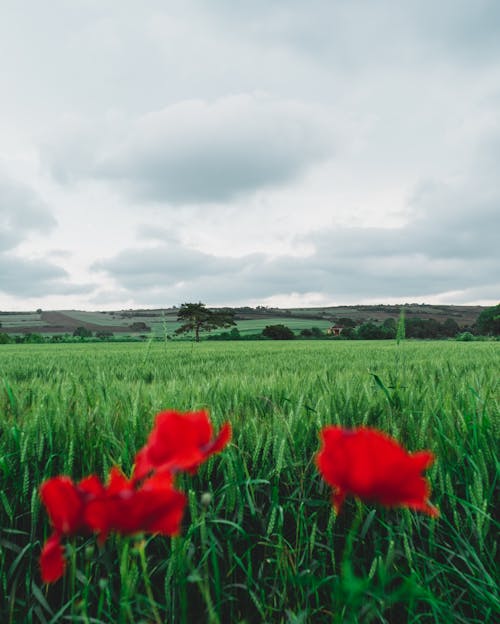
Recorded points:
141,548
349,544
204,584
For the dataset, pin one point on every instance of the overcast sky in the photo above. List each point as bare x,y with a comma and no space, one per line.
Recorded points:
273,152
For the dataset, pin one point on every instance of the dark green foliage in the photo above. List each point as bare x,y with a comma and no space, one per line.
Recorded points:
465,337
140,326
34,338
346,322
278,332
82,332
370,331
313,332
234,334
488,322
450,328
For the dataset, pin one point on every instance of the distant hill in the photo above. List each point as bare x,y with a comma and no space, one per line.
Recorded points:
249,320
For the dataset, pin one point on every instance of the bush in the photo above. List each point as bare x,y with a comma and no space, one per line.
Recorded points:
5,338
465,337
139,326
278,332
82,332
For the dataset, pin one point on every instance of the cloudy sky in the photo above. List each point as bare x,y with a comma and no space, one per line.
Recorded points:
275,152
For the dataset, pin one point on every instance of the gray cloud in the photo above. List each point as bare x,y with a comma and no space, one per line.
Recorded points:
168,265
361,33
36,278
21,213
441,249
197,151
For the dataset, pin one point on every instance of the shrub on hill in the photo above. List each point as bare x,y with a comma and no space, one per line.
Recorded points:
465,337
313,332
278,332
82,332
140,326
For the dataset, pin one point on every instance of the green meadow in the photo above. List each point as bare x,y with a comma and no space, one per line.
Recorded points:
268,546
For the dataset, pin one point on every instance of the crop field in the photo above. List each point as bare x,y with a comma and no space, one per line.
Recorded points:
266,546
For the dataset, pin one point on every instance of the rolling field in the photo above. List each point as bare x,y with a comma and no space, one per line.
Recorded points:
268,547
164,322
161,325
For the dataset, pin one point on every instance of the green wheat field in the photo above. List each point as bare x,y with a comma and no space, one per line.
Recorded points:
268,546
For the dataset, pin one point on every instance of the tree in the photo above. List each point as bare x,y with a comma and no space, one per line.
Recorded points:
5,338
197,317
488,322
346,322
370,331
450,328
349,333
82,332
390,328
278,332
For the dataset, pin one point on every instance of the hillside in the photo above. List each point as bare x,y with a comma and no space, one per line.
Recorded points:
162,322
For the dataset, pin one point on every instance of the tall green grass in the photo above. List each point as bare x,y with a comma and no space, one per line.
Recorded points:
268,548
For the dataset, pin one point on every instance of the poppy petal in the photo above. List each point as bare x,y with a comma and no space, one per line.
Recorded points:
63,503
52,562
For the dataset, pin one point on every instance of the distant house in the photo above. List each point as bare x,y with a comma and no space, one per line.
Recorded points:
334,331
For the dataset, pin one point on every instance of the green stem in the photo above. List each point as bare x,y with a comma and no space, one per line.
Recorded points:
72,573
204,584
141,547
349,544
346,567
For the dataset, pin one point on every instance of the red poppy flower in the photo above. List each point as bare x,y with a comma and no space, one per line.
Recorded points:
154,507
179,442
369,464
65,502
52,562
120,506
